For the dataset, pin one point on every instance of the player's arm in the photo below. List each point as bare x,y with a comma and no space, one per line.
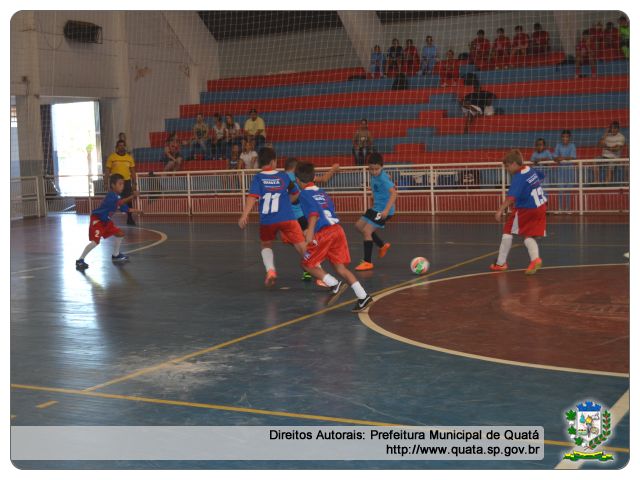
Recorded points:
329,175
312,219
392,200
248,206
294,192
503,207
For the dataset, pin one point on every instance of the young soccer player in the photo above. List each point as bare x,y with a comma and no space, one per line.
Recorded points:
325,238
384,199
271,189
101,226
528,214
290,169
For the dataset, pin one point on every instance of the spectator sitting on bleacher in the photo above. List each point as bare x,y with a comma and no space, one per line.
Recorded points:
539,40
612,143
479,50
541,152
519,45
429,56
394,57
623,30
611,41
410,59
219,138
476,104
362,143
249,156
564,154
234,134
233,162
254,130
449,70
172,156
200,138
596,38
500,50
585,55
376,64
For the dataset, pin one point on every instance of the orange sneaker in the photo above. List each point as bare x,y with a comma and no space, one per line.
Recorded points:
383,250
364,266
534,266
494,267
270,279
320,283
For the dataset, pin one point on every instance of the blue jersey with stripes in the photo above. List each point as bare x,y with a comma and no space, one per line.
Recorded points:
272,188
526,188
297,209
316,203
381,186
108,207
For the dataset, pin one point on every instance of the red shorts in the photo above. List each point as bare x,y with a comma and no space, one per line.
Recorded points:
99,229
527,222
290,232
331,243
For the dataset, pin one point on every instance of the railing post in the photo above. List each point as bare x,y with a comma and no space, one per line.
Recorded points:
364,189
503,186
189,203
432,191
580,187
243,183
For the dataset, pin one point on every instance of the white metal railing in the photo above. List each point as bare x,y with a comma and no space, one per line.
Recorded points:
580,186
25,197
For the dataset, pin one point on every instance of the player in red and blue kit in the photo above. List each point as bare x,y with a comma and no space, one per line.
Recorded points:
528,217
101,226
325,238
272,189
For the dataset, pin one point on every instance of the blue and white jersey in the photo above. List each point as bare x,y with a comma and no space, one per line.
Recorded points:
272,188
526,188
381,186
315,202
108,207
297,209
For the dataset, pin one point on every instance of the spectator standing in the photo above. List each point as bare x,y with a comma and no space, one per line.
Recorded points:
519,45
219,138
123,137
475,104
394,57
539,40
410,59
376,64
429,56
479,50
564,154
172,157
623,30
249,156
501,50
122,163
611,41
449,70
596,39
612,143
254,130
200,138
585,55
362,143
234,134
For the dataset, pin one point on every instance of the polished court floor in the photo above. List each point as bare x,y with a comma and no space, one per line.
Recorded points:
186,333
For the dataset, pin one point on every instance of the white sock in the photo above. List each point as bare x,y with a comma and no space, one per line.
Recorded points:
505,246
87,249
330,280
267,259
359,291
117,241
532,248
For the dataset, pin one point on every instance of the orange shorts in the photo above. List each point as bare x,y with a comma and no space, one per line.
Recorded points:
290,232
331,243
99,229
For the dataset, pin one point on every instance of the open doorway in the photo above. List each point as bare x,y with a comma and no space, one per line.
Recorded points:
76,147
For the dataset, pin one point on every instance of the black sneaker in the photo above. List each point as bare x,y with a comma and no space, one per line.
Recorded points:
362,304
335,292
81,264
121,257
131,221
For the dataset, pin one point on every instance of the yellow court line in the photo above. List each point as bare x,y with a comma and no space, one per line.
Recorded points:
366,319
279,326
46,404
257,411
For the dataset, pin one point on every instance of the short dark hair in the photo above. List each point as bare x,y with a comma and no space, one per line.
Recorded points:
615,124
121,142
290,162
518,27
537,26
585,31
566,132
253,110
305,172
541,140
480,32
114,178
500,30
375,159
266,155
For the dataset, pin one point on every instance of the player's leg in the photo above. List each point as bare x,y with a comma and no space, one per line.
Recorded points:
80,263
118,256
367,232
364,299
95,233
266,252
534,255
503,253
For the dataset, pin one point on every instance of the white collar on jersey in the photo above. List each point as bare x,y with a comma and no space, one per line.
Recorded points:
525,169
312,187
269,171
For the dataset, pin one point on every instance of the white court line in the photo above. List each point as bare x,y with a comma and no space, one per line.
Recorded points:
366,320
618,411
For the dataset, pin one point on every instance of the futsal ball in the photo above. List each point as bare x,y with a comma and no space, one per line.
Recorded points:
419,265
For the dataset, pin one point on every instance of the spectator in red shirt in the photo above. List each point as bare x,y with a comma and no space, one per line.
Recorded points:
611,41
539,40
479,50
501,49
410,59
585,55
519,45
596,39
449,70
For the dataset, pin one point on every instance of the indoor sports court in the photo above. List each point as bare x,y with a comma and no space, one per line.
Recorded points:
184,331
